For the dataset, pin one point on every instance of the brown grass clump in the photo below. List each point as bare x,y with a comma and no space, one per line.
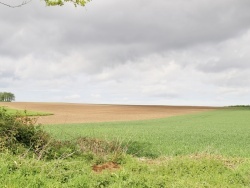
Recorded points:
106,166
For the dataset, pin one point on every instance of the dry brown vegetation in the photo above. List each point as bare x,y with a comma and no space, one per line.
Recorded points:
106,166
83,113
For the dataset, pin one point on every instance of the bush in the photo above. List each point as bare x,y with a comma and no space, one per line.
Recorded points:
17,131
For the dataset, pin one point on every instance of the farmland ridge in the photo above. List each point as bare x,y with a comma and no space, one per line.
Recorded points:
86,113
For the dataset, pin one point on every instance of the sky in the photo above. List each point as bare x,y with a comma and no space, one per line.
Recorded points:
164,52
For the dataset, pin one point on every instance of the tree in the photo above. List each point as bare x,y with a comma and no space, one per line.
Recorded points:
49,3
6,97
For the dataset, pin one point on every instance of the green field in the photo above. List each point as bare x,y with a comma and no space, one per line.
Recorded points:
24,112
222,132
210,149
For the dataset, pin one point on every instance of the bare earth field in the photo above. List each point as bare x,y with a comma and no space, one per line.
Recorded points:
83,113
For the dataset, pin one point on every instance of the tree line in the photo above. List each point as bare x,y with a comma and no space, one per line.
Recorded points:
6,97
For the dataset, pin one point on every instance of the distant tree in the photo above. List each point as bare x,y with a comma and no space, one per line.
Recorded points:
49,3
7,97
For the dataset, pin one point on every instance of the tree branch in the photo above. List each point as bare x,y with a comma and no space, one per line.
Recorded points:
15,6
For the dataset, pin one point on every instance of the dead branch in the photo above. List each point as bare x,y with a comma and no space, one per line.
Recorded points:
15,6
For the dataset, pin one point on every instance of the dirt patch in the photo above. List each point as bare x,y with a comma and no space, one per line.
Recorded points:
83,113
106,166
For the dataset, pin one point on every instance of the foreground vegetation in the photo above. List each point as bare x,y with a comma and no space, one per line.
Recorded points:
90,156
188,171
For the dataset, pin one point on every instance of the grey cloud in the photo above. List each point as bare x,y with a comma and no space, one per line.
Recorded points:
227,56
6,74
224,64
110,32
132,32
237,79
164,95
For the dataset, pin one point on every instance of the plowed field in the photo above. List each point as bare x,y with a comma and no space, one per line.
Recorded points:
83,113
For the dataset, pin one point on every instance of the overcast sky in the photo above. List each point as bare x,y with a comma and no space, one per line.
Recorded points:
167,52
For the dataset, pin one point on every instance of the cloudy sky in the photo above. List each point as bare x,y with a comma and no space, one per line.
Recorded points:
168,52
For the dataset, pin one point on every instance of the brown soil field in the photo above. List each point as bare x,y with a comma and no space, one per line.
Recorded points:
83,113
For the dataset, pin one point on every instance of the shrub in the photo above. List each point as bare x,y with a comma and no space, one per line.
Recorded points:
17,131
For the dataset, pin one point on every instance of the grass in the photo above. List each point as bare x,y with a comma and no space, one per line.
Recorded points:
25,112
220,132
188,171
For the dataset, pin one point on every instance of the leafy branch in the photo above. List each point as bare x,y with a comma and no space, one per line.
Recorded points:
50,3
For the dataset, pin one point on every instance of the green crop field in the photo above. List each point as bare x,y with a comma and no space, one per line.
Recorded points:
24,112
222,132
